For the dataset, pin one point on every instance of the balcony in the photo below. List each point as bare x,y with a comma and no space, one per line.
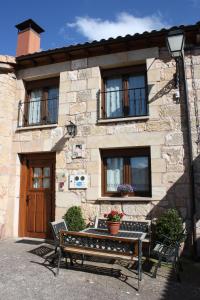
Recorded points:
37,112
125,103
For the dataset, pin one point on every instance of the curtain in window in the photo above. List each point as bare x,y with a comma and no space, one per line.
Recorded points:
52,116
140,173
113,97
114,173
137,99
34,116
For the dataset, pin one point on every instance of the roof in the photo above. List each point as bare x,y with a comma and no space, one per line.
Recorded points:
106,46
29,24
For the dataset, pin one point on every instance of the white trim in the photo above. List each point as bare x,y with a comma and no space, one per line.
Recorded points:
143,118
126,199
37,127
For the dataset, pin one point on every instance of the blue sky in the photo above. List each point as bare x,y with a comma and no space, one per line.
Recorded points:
75,21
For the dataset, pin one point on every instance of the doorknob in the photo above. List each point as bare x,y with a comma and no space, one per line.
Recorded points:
27,198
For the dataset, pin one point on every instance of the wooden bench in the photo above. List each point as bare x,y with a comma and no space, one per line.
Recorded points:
101,245
138,226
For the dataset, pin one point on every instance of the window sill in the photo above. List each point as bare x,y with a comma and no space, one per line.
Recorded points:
142,118
125,199
37,127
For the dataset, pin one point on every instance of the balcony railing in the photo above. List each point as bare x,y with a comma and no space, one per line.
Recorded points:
38,112
122,103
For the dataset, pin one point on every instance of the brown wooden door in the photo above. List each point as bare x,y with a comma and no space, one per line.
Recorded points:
38,197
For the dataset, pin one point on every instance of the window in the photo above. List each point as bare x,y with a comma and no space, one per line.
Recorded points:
41,105
41,178
130,166
124,92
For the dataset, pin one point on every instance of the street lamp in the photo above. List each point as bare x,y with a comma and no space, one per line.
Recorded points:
176,43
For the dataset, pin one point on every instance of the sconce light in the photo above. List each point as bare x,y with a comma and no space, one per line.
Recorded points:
71,129
175,43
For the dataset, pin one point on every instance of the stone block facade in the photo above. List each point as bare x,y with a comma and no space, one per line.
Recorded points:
164,131
7,166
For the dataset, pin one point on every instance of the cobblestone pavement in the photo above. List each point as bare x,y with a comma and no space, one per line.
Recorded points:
24,276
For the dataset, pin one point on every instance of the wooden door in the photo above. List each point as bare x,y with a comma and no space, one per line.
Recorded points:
37,207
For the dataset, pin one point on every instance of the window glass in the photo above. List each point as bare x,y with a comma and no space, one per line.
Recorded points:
140,173
36,183
46,183
34,107
124,92
126,166
52,105
37,172
114,173
113,97
46,172
137,101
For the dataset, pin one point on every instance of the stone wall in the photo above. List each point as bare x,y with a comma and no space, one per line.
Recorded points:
7,104
164,131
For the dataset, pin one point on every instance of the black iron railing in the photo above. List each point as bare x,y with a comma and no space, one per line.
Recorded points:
122,103
38,112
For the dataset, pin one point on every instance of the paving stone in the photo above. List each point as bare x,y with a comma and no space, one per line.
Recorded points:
24,276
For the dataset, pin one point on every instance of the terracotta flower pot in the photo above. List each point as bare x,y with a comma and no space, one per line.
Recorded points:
124,194
113,227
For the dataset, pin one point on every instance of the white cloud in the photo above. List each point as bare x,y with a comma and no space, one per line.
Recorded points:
96,29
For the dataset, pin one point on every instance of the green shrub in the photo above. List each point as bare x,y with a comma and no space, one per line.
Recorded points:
74,219
169,224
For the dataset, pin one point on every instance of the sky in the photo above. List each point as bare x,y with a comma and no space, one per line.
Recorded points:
68,22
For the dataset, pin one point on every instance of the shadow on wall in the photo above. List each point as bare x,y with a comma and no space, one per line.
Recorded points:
177,159
60,144
178,196
2,231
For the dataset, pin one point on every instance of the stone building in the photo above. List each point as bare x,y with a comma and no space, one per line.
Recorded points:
120,96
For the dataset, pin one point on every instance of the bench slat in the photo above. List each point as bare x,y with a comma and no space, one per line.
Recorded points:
98,253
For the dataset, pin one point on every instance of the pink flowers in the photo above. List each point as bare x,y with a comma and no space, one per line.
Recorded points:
114,216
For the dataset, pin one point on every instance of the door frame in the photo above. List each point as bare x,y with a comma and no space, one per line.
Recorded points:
22,230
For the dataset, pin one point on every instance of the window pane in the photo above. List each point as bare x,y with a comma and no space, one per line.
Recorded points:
114,173
137,97
37,172
46,183
36,183
52,105
113,97
46,172
34,107
140,173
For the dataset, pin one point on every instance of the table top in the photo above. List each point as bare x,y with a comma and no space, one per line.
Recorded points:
133,235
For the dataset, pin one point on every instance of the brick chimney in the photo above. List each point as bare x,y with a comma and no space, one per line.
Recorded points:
28,37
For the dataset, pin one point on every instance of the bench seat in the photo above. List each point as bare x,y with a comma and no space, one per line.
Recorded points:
98,253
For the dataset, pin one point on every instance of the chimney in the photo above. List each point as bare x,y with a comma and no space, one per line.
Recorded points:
28,37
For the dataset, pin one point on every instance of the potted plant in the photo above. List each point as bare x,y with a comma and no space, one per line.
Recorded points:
125,189
74,219
170,225
113,221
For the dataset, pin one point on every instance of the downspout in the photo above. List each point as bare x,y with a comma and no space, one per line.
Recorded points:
181,64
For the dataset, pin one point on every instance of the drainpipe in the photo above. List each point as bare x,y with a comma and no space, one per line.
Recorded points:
181,65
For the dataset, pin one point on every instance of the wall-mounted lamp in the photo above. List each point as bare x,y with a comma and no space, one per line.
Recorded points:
71,129
176,42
